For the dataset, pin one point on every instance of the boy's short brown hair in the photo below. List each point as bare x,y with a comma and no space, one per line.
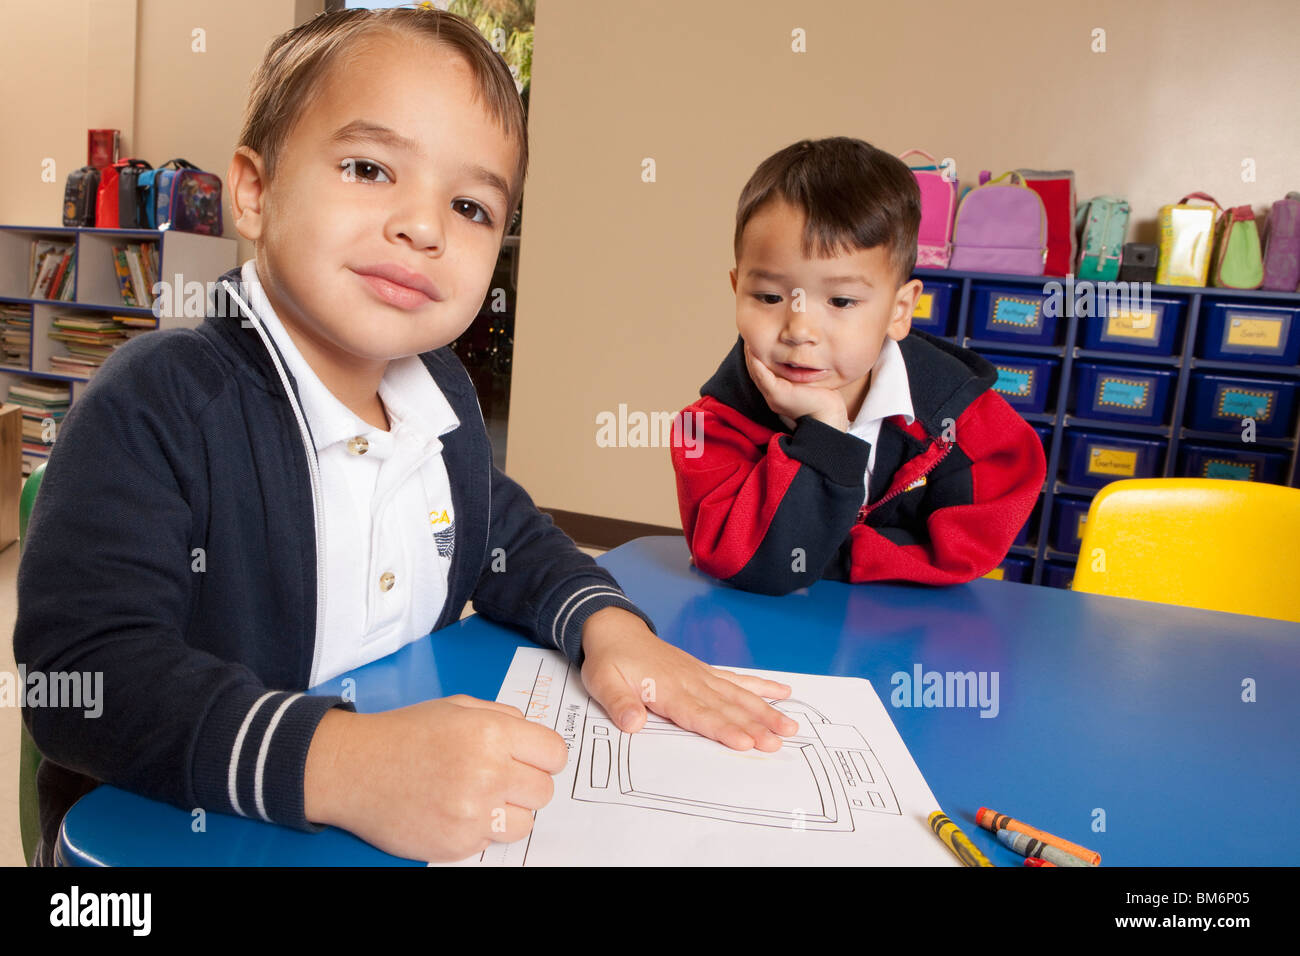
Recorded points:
297,62
854,196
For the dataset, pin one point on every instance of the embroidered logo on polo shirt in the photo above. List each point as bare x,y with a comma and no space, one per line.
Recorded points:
444,538
446,541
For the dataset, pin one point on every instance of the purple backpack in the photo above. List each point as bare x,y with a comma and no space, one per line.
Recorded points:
1282,251
1000,228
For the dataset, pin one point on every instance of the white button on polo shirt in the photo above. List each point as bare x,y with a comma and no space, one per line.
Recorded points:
389,523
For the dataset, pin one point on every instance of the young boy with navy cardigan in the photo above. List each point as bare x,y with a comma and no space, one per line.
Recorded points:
304,484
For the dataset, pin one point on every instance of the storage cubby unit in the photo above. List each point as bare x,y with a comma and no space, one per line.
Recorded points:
186,261
1126,380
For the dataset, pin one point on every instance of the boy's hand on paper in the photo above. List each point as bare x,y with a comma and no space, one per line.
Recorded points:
628,669
792,400
438,781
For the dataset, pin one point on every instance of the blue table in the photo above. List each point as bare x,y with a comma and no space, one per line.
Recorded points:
1105,706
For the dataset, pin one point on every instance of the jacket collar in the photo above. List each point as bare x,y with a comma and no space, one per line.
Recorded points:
942,378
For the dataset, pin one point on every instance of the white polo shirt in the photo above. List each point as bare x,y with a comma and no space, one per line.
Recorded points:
389,526
890,394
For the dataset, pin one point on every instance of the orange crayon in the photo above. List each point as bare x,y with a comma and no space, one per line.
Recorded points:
990,820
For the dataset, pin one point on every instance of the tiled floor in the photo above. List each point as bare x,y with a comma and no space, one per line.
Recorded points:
11,853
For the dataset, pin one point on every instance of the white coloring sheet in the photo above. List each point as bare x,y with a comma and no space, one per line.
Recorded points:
843,791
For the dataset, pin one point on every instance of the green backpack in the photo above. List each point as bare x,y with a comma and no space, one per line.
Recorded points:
1238,257
1101,223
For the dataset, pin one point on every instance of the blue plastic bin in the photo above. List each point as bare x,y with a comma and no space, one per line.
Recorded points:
1028,383
1126,322
1220,403
1095,459
936,307
1058,574
1013,314
1013,569
1067,522
1122,393
1267,334
1243,463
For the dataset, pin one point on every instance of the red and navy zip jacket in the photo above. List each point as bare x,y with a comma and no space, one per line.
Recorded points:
771,510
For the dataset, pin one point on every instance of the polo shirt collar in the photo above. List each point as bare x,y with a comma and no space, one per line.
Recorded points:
890,392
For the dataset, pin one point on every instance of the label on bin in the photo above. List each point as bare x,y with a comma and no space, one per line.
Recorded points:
1023,315
1254,333
924,304
1133,324
1123,393
1112,461
1233,470
996,575
1078,527
1239,403
1016,382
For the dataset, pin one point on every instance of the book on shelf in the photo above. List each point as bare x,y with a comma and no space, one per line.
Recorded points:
136,265
15,333
75,366
43,402
88,339
137,321
40,392
52,269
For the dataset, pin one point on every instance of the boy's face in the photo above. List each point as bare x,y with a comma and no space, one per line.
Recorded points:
850,304
349,198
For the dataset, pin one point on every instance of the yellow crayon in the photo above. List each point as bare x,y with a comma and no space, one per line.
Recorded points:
958,842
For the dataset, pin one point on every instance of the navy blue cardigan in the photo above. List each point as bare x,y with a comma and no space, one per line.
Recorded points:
187,439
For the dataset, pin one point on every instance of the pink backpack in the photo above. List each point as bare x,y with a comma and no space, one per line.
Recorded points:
1000,228
938,207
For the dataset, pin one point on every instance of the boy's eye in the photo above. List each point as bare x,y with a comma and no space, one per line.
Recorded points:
841,298
765,296
362,170
486,220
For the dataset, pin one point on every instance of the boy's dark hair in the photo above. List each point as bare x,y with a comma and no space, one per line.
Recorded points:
297,62
854,196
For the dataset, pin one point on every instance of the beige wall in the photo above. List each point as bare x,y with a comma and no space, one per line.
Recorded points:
624,296
128,65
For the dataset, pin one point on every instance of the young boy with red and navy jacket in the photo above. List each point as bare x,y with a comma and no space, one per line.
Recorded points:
833,441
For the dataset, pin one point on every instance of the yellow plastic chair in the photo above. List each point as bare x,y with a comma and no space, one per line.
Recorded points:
1198,542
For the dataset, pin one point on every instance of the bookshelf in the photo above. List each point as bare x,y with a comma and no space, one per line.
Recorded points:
182,258
958,311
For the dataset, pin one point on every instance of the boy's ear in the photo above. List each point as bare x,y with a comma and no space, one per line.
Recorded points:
246,180
733,279
900,323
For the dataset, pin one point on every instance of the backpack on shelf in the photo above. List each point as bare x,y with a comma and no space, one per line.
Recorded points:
80,196
1186,241
108,206
1056,189
1282,249
183,197
1000,228
1102,223
1238,260
938,208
